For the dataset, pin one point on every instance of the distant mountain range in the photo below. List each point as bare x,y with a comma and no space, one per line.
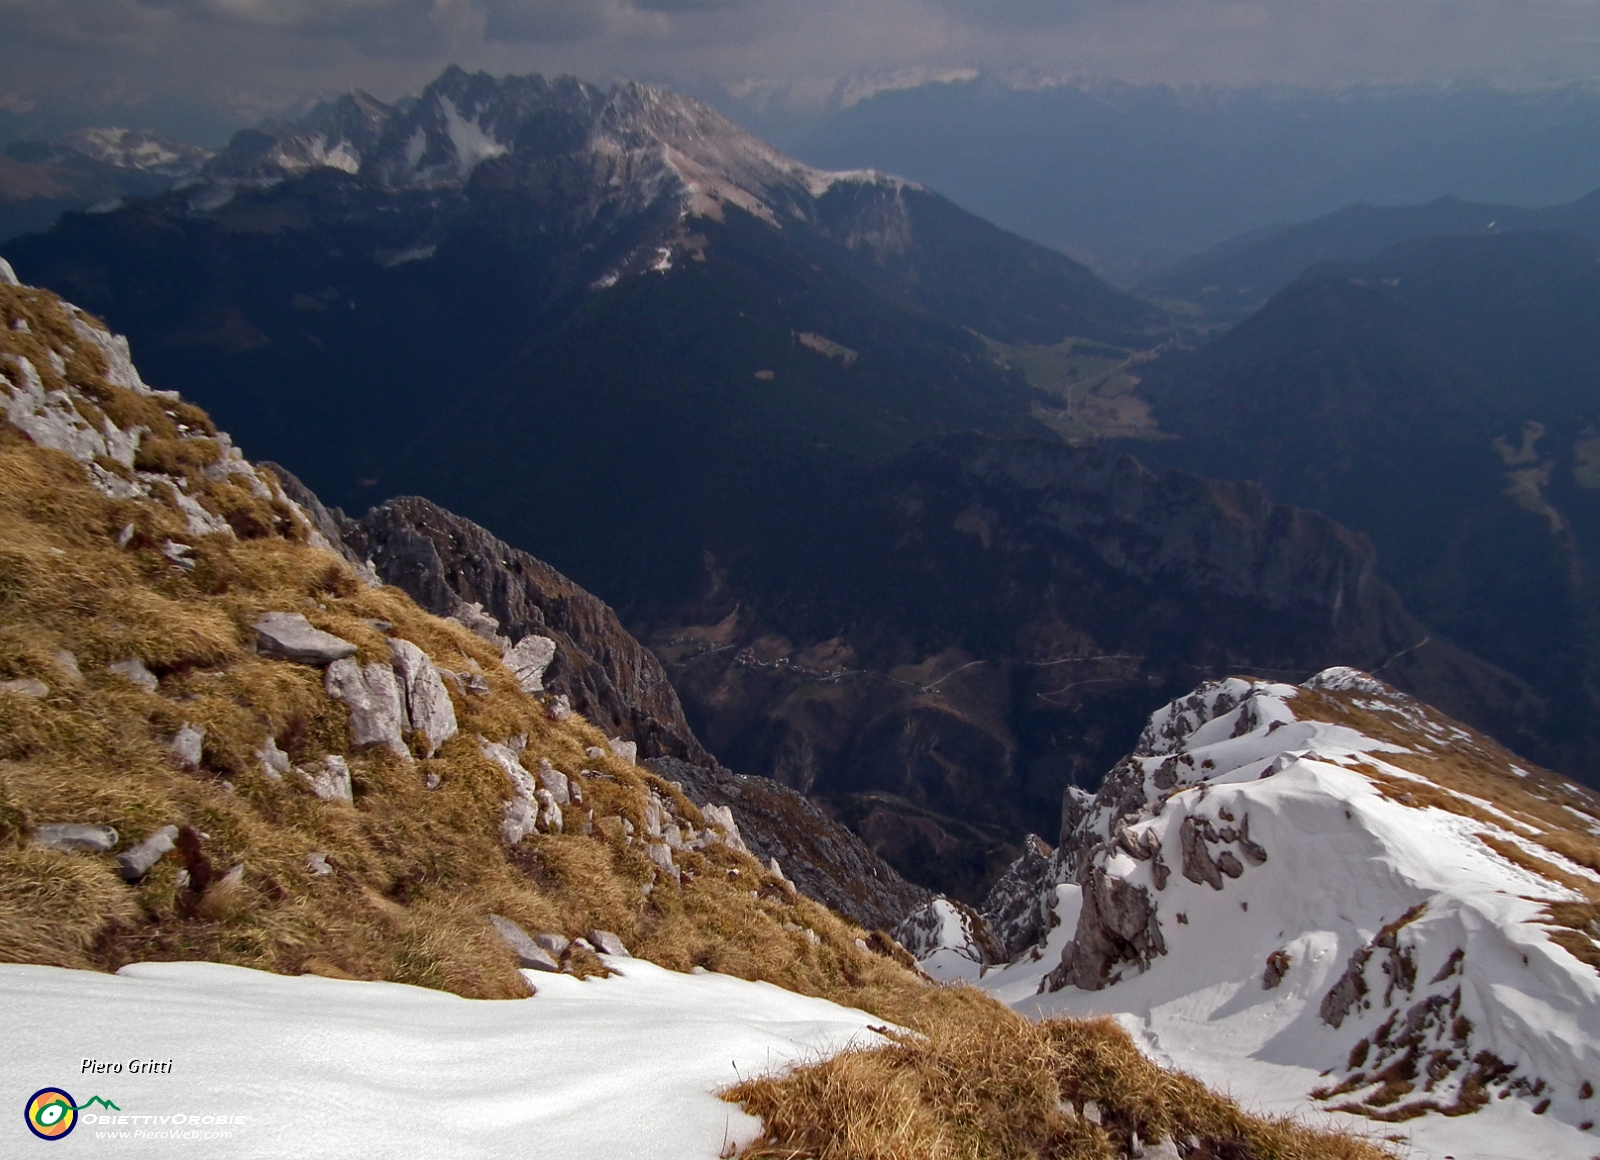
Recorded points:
762,409
1234,279
40,180
1134,178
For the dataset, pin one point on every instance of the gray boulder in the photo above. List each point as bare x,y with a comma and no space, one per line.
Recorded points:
427,702
330,780
77,838
530,955
133,669
274,761
188,745
371,693
292,637
135,862
556,944
29,687
528,659
556,782
608,944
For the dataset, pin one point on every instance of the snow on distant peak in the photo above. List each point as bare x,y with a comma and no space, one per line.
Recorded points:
132,149
853,90
1338,901
472,144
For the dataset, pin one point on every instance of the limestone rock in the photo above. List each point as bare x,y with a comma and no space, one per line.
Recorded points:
28,687
188,745
722,816
521,819
655,815
627,750
77,838
530,955
661,854
444,562
608,944
1016,909
555,944
371,693
528,659
560,707
550,817
427,703
292,637
825,861
133,669
522,811
274,761
1198,865
474,619
330,780
317,863
1117,924
556,782
135,862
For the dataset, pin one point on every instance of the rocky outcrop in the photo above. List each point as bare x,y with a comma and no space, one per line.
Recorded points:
1116,925
447,564
1017,912
822,858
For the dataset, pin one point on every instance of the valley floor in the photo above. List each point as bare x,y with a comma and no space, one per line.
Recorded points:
604,1068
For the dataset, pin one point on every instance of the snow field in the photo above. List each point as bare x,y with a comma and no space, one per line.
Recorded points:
602,1068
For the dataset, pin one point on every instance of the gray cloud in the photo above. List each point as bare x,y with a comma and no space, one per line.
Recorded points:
244,58
544,20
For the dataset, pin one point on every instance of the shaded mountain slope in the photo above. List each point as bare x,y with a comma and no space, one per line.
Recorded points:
1442,399
984,622
1231,280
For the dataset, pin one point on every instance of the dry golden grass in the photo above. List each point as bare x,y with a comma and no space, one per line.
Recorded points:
975,1080
416,872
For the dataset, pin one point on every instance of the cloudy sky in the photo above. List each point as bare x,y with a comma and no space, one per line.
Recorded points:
206,65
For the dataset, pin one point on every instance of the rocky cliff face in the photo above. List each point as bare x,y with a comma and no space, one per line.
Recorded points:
447,563
990,621
822,858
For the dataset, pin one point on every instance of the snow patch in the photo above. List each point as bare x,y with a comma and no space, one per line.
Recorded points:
602,1068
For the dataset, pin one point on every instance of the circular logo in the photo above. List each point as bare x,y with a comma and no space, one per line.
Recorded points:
50,1114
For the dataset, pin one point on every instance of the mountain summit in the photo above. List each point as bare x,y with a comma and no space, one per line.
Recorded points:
590,161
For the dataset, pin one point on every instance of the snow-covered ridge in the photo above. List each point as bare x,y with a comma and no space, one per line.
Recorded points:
586,154
1332,897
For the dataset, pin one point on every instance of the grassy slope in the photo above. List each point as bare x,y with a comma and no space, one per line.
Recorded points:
417,871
